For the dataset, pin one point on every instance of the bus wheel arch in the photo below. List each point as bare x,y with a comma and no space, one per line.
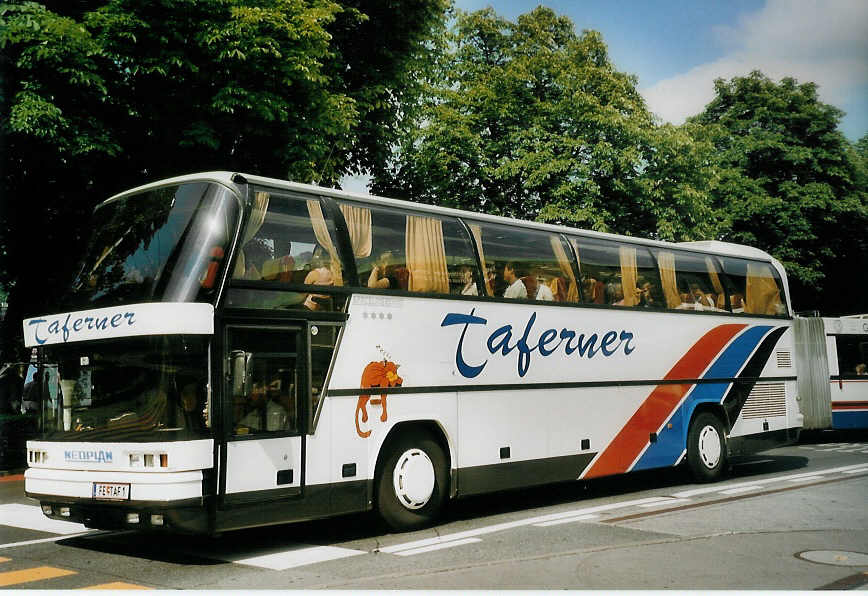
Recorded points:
412,476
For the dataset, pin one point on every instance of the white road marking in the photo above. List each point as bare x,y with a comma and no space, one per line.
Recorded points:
670,501
19,515
839,447
817,473
531,521
857,470
742,489
805,479
295,556
41,540
567,520
427,549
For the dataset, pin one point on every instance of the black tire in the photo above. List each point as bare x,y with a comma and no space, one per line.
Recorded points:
706,448
414,465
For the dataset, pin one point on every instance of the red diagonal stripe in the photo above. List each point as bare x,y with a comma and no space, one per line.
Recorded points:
658,406
849,405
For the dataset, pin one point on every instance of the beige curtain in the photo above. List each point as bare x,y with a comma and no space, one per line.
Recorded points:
762,295
321,231
476,230
666,264
359,223
426,255
257,218
566,269
628,274
715,281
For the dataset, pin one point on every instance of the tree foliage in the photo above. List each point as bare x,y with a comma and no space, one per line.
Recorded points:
527,119
530,119
99,96
791,184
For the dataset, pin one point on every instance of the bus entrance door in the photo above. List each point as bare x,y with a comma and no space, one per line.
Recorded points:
265,417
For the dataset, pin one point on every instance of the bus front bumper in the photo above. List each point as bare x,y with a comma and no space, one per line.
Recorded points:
154,501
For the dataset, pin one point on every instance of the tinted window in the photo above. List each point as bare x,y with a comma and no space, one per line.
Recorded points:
691,281
852,355
756,287
526,264
410,252
618,274
288,239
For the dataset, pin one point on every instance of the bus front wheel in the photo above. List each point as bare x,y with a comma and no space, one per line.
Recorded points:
706,448
412,483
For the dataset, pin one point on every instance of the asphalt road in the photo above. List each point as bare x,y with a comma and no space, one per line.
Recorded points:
791,518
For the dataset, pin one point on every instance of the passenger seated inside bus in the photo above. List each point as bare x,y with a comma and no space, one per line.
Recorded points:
542,290
737,303
696,299
615,292
469,284
387,274
647,297
595,291
559,289
319,275
707,301
515,286
193,403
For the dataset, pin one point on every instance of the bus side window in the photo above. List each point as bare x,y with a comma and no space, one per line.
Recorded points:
377,238
618,274
286,238
754,287
852,355
526,264
405,252
691,281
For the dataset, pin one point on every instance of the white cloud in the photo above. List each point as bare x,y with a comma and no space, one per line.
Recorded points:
825,42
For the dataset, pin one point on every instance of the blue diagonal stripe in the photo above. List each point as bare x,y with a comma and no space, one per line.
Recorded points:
670,442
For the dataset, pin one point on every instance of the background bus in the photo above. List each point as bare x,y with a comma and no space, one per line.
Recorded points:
239,351
832,361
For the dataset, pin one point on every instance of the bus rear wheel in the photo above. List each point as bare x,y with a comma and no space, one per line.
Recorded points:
412,483
706,448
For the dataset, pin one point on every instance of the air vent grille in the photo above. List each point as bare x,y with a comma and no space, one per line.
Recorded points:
765,401
785,359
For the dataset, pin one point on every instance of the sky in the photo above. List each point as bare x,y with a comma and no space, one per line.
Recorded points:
678,47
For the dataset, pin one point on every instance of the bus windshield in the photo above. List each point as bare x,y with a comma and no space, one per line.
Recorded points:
133,389
167,244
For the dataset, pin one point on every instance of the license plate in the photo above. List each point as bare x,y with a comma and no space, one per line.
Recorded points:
111,491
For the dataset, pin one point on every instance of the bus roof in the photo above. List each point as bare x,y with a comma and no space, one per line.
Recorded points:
234,180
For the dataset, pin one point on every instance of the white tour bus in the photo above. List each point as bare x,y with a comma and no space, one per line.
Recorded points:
239,351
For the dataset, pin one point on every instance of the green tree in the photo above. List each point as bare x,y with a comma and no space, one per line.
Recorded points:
103,95
790,183
530,119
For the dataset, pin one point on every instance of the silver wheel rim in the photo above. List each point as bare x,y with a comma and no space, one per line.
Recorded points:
709,446
413,479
